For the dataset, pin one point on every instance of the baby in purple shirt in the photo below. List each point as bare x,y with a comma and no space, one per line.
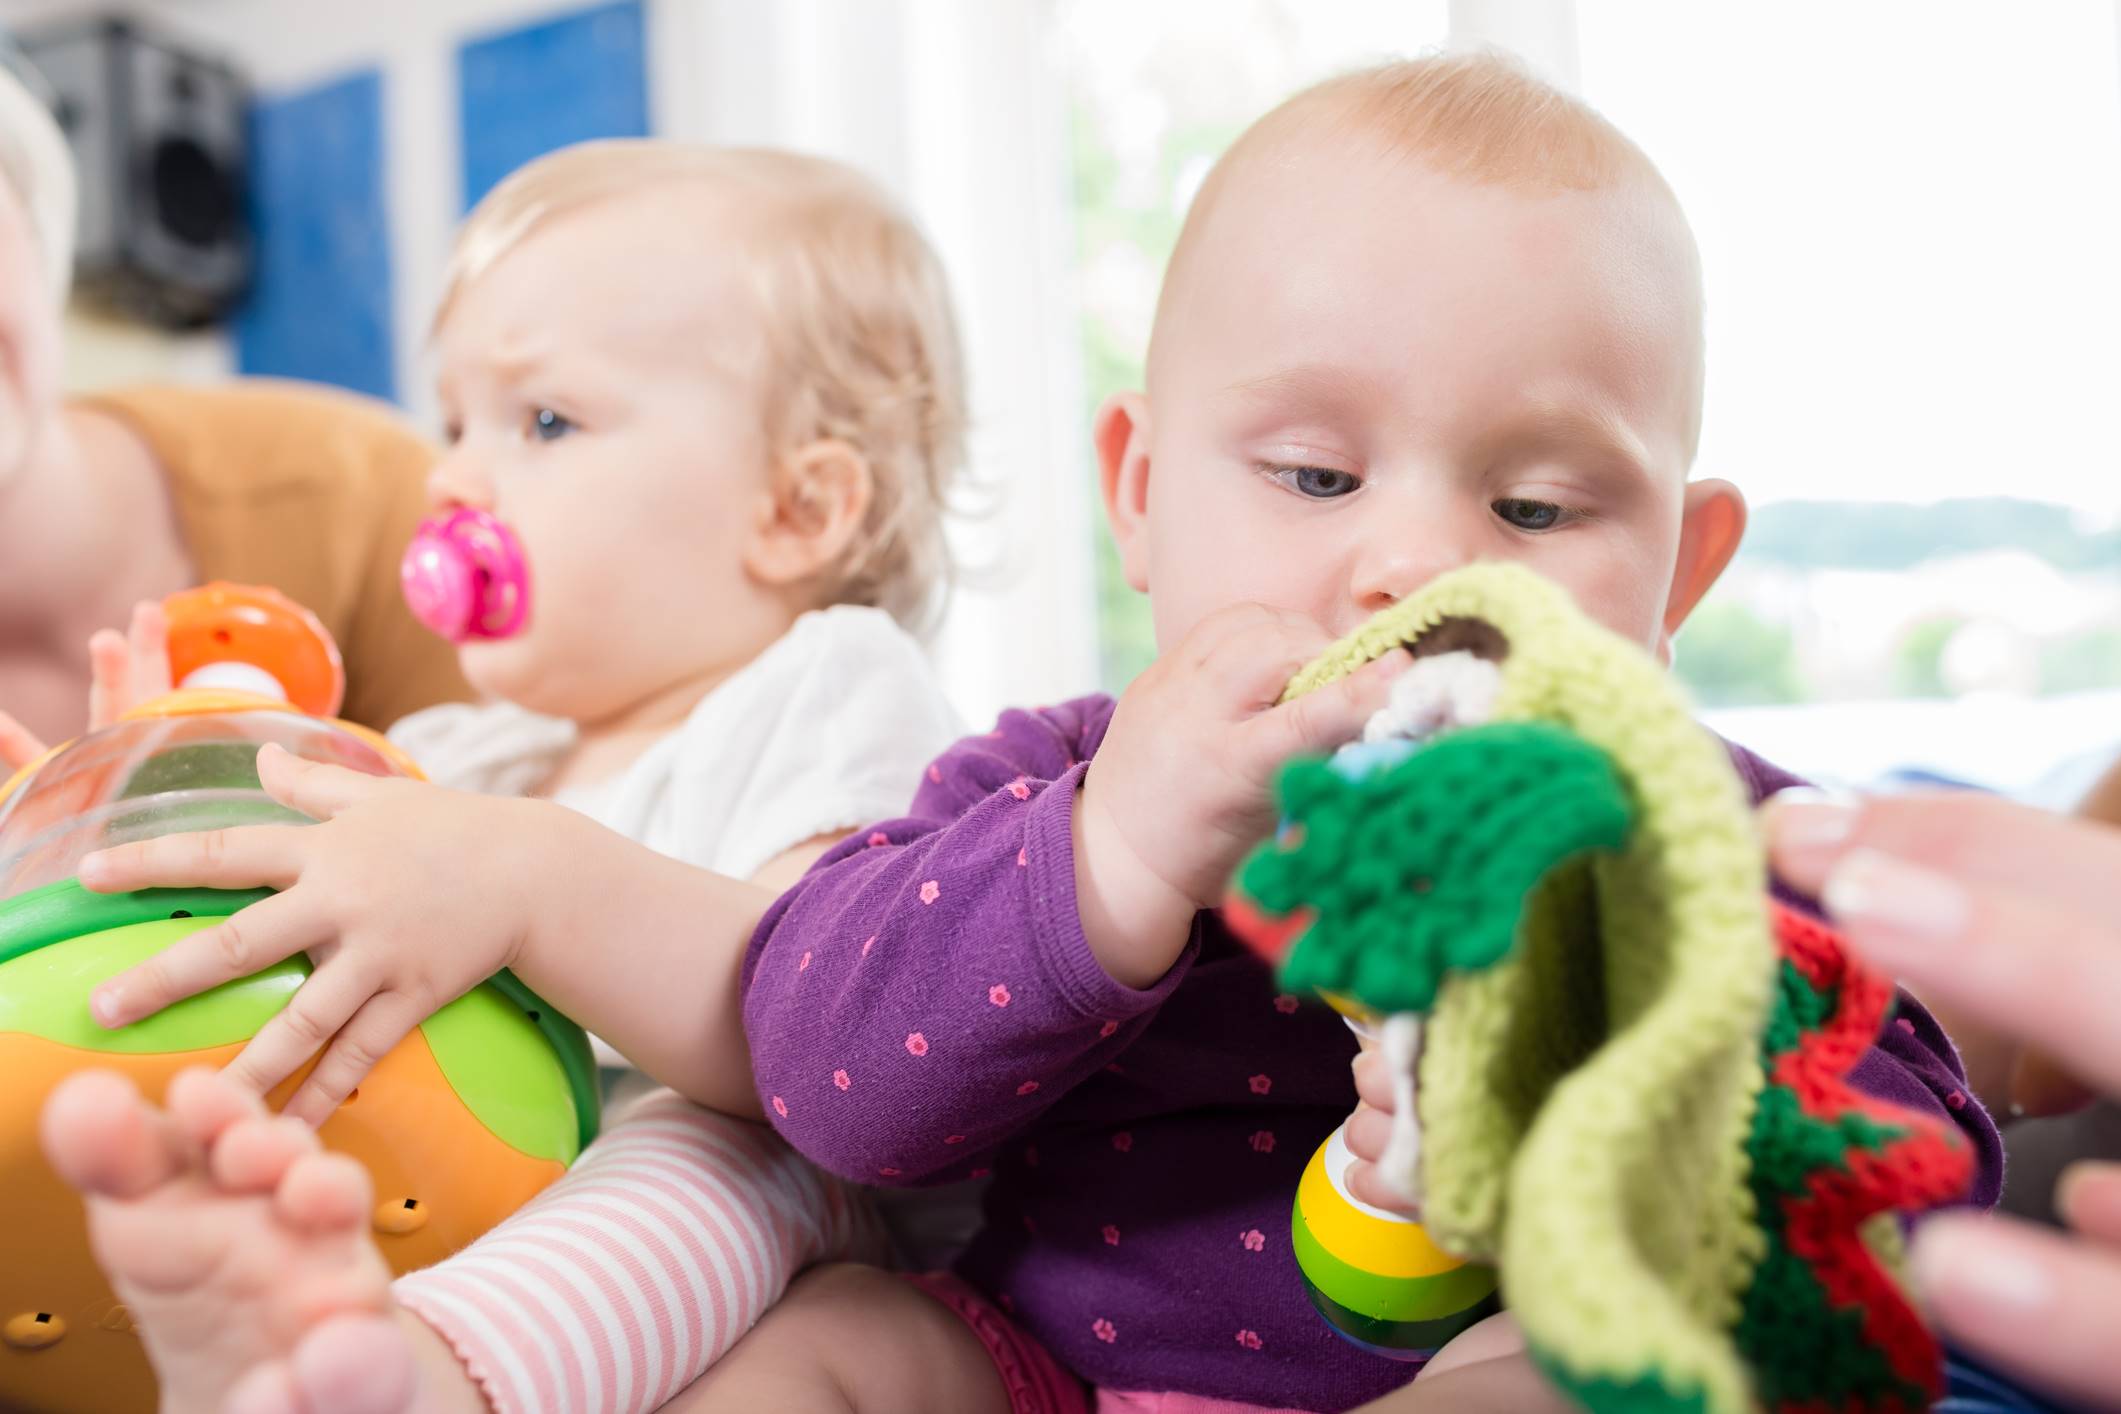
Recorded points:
1420,316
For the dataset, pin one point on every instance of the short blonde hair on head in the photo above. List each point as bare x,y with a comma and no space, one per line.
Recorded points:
857,321
39,167
1479,115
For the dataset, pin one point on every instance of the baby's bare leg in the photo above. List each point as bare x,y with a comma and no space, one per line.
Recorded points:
850,1339
1486,1370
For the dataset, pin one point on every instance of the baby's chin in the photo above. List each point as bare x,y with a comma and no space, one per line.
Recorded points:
513,670
519,670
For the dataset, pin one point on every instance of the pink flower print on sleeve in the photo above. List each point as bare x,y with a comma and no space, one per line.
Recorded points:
879,839
1023,856
1107,1031
804,965
780,1107
1285,1003
839,1078
916,1044
953,1138
935,774
868,943
1020,788
1260,1084
1253,1240
931,891
1249,1339
1029,1087
887,1173
1111,1235
1123,1141
1104,1330
1262,1141
998,994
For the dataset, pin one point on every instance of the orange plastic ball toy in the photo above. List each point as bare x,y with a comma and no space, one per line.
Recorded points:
253,640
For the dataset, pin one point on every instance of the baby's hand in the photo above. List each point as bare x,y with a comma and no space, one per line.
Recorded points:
406,897
1182,787
128,669
1369,1130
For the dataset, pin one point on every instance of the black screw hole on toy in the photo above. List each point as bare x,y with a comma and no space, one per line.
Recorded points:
33,1330
180,913
411,1203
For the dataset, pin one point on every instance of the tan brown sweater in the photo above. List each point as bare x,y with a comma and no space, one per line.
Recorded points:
314,492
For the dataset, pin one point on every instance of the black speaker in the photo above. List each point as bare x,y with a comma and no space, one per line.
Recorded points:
158,134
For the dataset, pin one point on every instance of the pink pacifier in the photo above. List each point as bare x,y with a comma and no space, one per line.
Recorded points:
465,577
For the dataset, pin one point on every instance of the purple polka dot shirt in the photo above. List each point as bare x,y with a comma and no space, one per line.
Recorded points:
923,1007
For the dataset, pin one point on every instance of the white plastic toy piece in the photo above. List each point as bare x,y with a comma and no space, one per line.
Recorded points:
1436,695
233,676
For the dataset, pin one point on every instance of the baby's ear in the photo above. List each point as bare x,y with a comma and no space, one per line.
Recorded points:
1122,436
814,510
1711,524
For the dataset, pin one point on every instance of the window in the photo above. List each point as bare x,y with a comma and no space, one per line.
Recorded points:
1908,216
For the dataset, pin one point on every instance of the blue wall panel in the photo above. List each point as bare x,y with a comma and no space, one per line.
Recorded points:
321,305
524,92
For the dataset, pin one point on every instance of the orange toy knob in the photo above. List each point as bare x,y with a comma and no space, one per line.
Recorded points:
257,640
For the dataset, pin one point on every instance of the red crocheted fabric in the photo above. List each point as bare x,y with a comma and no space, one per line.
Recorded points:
1826,1328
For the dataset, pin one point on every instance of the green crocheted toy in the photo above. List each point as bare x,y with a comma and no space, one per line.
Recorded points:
1632,1083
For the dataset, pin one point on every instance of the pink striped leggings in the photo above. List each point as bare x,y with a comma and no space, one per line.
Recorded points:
616,1287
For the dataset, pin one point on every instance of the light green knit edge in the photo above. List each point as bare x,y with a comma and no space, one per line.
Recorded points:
1614,1196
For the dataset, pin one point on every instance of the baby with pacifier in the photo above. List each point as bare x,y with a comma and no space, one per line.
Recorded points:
703,409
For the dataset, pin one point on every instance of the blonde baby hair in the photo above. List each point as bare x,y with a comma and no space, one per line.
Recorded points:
1477,115
862,342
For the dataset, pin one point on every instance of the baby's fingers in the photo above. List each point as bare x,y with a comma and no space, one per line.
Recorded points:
147,654
316,788
318,1011
18,745
110,678
253,857
382,1022
1373,1081
1366,1183
245,942
1320,722
1368,1131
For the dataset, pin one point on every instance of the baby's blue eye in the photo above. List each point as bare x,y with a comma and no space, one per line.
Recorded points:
548,426
1317,483
1529,515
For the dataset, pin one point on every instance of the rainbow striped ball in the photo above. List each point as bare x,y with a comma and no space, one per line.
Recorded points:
1375,1276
